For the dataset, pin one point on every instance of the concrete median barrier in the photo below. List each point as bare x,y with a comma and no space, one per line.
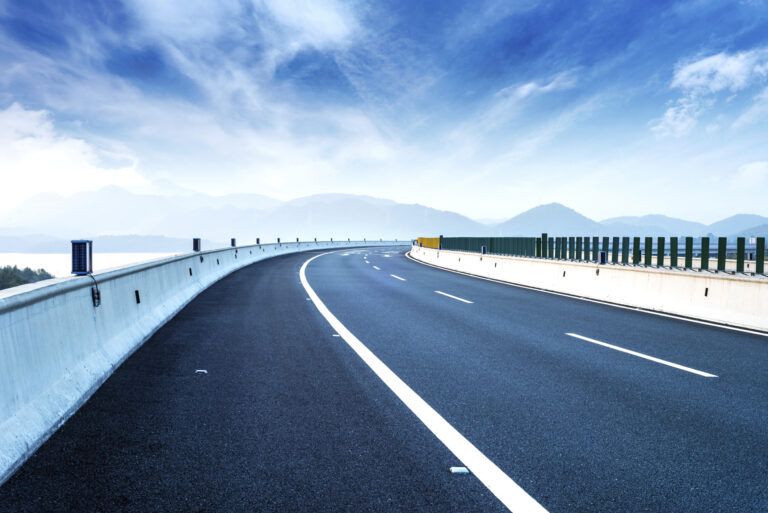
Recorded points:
734,300
57,347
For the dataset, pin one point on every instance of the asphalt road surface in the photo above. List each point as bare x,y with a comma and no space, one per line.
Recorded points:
358,389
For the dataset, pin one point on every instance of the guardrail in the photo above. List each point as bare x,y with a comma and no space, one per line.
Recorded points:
60,339
743,256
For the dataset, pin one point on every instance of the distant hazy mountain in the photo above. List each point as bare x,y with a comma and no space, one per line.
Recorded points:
755,231
736,224
554,219
175,219
114,211
654,224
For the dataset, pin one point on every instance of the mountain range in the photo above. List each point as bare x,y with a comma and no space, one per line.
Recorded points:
125,221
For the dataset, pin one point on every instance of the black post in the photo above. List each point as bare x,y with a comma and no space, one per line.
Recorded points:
625,250
722,246
233,243
660,252
571,248
704,253
196,245
578,247
636,251
615,251
689,252
544,245
673,251
648,251
586,249
760,256
595,248
740,247
258,241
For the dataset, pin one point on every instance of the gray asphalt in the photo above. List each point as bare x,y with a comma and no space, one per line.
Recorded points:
288,418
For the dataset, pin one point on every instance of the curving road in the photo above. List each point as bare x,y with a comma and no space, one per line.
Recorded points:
553,403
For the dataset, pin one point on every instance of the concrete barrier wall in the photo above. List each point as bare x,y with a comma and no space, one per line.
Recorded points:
56,348
736,300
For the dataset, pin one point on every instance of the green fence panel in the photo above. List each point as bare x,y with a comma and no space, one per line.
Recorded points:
760,255
740,248
587,248
722,248
625,250
689,252
615,251
579,241
636,251
595,249
673,252
544,245
660,251
704,253
648,252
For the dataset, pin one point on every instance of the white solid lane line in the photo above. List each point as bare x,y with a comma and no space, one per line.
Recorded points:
500,484
398,277
454,297
641,355
377,268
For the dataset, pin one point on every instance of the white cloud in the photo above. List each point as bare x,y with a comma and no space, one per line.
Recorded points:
679,119
756,112
700,80
35,158
722,71
560,82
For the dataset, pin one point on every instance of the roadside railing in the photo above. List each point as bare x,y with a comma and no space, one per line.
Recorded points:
741,255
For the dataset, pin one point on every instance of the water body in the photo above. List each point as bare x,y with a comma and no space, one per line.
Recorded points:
60,264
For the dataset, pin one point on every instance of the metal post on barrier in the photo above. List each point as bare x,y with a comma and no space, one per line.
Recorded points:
660,252
636,251
722,248
537,249
673,252
615,251
258,241
625,250
440,242
740,248
558,247
544,246
595,248
196,245
586,249
648,252
704,265
233,243
760,255
571,248
689,252
607,245
551,248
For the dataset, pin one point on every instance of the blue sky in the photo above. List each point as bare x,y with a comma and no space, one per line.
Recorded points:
486,107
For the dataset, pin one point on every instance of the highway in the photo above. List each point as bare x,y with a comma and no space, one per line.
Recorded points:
353,381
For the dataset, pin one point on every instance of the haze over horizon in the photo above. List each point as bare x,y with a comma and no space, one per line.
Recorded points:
486,109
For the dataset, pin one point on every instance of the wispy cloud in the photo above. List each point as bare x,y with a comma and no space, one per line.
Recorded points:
45,161
700,80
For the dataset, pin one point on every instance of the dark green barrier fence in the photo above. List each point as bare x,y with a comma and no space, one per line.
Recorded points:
642,251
